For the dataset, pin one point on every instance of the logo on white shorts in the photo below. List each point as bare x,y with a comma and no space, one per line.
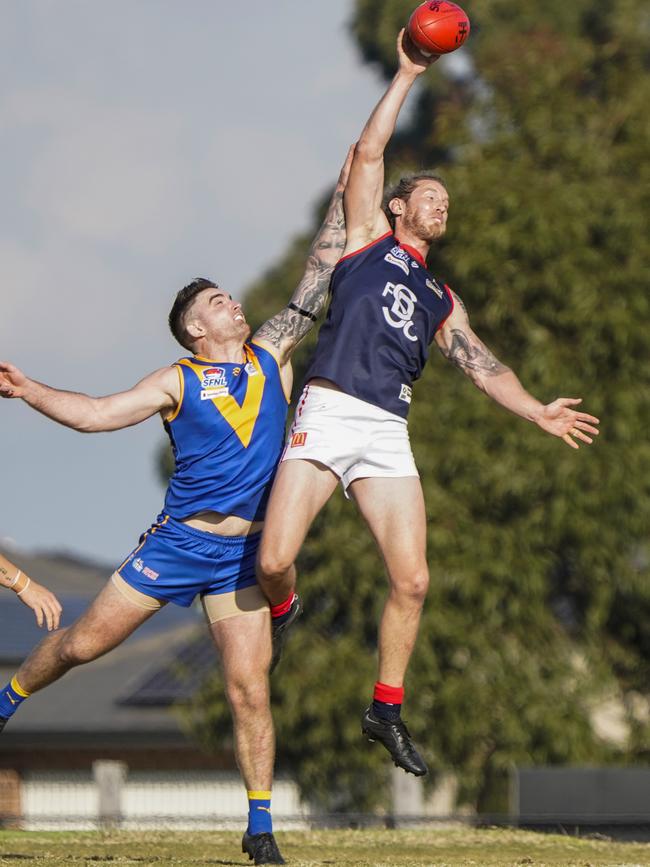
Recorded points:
298,439
400,314
405,393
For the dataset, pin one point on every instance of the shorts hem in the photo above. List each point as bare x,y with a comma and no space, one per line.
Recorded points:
379,474
312,459
138,590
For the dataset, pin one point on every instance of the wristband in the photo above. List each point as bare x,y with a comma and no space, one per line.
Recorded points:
302,312
20,592
13,583
20,586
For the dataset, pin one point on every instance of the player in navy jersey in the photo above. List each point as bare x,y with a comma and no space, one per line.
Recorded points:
350,424
224,407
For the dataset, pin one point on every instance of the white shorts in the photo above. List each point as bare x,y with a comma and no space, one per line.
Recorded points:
355,439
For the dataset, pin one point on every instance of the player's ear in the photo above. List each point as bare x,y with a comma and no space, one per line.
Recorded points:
396,206
195,329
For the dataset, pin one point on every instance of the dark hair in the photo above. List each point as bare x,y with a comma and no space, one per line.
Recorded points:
403,189
183,300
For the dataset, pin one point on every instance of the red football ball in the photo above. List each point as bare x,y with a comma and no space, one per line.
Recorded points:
438,27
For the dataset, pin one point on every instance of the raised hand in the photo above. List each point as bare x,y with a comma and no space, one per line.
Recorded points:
12,380
559,419
410,57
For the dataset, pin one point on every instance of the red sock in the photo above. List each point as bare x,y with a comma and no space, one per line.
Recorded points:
387,701
388,694
283,607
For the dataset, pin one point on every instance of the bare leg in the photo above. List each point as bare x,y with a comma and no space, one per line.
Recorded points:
394,511
108,622
300,491
244,643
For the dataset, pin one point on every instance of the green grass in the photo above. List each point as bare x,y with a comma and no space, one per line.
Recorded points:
368,848
434,848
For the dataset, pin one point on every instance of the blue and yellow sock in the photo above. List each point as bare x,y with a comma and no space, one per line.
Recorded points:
11,697
259,813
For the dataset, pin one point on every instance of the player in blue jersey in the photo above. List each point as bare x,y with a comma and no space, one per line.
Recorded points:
350,424
46,607
224,407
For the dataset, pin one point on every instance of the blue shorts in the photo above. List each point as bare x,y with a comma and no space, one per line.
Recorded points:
174,562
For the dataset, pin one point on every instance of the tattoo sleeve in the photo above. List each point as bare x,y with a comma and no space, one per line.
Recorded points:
288,327
469,354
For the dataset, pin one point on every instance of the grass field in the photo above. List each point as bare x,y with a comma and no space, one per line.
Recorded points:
375,848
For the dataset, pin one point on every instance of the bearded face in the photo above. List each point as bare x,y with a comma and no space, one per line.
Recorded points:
424,213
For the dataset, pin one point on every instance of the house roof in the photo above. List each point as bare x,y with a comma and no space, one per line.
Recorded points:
130,692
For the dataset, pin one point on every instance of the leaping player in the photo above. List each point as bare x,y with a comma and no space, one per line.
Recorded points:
350,426
224,408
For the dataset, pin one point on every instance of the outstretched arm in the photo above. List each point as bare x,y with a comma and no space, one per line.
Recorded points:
287,328
460,345
46,607
364,217
157,392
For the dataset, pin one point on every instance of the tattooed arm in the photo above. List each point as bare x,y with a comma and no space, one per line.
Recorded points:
284,331
460,345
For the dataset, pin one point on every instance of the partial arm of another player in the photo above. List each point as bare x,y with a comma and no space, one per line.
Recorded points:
288,327
43,603
460,345
157,392
364,217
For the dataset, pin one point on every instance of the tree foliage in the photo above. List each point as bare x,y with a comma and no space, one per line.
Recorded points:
540,602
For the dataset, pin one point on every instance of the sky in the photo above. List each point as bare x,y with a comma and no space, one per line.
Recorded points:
144,143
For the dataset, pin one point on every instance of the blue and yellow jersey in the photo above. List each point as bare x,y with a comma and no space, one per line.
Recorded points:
227,434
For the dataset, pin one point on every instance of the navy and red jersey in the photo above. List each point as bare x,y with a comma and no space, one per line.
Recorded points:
384,312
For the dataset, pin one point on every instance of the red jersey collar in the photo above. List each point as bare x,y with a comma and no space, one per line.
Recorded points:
412,252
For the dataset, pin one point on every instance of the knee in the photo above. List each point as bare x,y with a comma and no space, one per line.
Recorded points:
75,651
413,587
273,565
248,697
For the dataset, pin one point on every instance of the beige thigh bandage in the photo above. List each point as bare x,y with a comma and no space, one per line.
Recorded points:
250,600
135,596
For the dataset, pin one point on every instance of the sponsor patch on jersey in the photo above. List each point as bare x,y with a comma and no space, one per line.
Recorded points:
406,393
150,573
431,284
399,253
298,439
400,262
250,369
214,377
211,393
138,565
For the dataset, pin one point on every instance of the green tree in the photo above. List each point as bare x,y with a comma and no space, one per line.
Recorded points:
540,600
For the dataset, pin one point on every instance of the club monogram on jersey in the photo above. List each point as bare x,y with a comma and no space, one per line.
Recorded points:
400,314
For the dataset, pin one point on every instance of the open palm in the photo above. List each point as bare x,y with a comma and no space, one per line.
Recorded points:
559,419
